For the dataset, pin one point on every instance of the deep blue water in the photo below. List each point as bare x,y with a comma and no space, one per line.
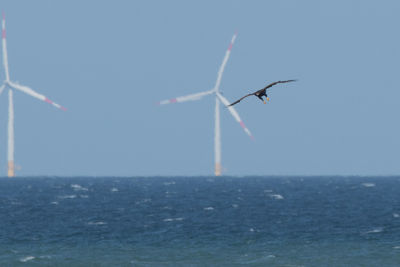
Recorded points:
200,221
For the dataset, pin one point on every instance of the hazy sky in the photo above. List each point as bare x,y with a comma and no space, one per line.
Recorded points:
109,62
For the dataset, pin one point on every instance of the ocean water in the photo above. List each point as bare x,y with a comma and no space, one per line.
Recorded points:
200,221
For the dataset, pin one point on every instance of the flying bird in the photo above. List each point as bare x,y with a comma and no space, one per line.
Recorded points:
262,92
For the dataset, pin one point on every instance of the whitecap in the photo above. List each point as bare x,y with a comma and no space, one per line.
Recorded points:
97,223
235,206
169,183
114,189
209,208
45,257
145,200
396,247
78,187
251,229
396,215
276,196
376,230
368,184
27,258
173,219
54,203
67,196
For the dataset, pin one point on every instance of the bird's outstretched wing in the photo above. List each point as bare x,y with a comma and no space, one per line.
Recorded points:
259,91
237,101
274,83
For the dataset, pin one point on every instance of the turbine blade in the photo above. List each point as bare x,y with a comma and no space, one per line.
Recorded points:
4,44
2,88
34,94
234,114
222,67
191,97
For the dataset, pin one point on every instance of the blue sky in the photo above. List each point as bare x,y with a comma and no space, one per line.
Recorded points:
109,62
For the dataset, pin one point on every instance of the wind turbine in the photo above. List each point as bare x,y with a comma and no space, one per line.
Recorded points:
15,86
218,98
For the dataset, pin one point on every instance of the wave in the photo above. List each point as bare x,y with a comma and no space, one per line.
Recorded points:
27,258
173,219
276,196
368,184
97,223
78,187
67,197
376,230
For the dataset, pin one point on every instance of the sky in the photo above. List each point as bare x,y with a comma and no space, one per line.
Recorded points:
110,62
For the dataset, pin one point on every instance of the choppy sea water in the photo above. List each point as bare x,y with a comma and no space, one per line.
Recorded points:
200,221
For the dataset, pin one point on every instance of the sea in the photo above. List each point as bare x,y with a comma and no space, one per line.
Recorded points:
200,221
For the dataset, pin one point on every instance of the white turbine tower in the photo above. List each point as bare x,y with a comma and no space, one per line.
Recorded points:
218,98
15,86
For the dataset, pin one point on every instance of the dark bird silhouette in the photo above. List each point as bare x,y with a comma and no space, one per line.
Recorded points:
262,92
